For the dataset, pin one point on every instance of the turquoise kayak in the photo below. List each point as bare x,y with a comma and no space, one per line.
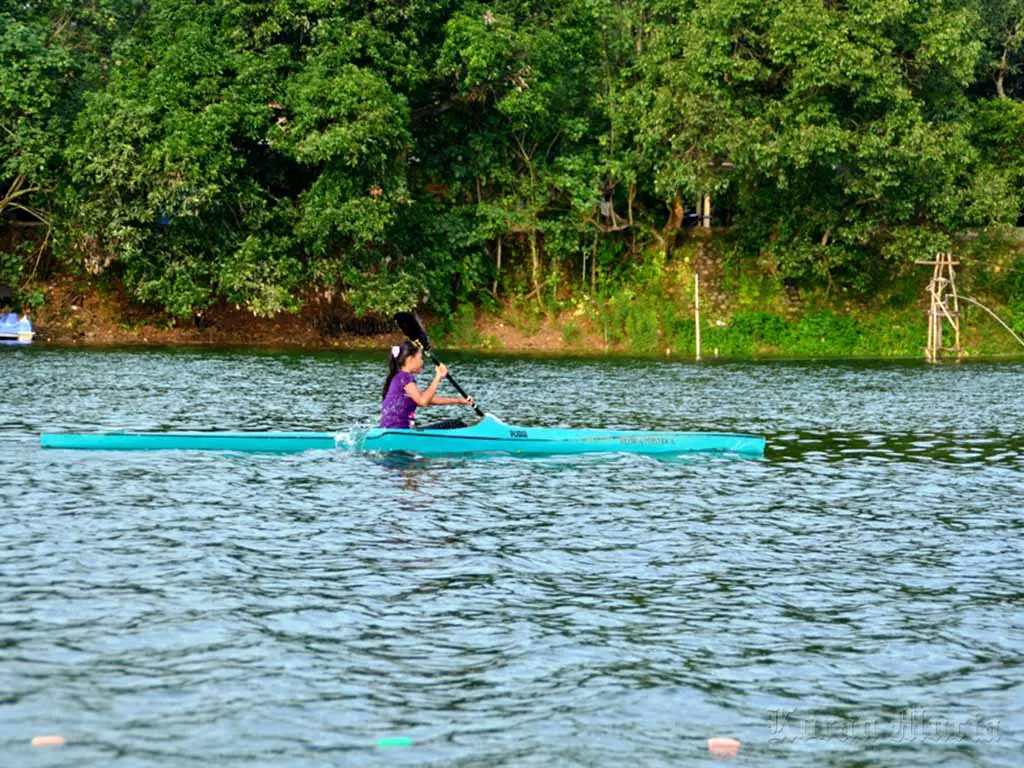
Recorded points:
489,435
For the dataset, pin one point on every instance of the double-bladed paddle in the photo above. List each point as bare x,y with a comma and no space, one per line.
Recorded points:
411,326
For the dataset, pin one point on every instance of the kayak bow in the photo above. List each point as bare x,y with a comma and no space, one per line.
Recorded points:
489,435
245,442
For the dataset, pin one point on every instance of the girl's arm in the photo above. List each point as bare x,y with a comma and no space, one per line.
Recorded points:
452,401
423,399
430,397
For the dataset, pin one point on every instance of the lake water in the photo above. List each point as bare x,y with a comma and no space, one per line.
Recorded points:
856,598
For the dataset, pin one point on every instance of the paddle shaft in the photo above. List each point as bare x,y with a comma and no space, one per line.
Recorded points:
460,390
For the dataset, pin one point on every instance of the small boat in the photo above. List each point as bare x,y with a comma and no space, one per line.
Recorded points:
489,435
14,330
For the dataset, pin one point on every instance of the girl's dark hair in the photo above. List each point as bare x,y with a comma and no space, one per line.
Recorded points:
395,362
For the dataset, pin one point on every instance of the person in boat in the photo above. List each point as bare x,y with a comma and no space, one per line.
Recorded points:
401,396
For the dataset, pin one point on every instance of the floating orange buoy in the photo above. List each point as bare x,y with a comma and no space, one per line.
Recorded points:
719,746
48,741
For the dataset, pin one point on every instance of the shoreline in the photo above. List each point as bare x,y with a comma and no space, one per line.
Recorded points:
78,315
354,346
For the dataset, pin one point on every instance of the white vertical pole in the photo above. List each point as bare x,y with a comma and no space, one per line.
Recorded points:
696,308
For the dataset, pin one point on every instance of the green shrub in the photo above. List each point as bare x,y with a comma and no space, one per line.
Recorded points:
460,330
1015,281
571,333
642,327
826,333
762,328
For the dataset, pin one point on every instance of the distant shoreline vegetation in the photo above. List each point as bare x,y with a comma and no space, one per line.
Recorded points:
568,165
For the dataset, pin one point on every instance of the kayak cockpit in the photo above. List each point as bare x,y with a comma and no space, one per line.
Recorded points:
446,424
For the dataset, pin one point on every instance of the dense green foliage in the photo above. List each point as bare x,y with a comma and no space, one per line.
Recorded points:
434,151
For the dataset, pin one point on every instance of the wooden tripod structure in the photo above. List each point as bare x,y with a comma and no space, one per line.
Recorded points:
944,307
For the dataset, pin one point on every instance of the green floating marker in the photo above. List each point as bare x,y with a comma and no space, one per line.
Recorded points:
394,741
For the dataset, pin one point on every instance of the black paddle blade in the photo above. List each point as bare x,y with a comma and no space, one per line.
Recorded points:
412,327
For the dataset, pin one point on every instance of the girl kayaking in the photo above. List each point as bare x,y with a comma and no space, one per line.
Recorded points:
401,396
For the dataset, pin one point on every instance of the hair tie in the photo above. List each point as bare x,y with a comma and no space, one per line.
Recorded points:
396,351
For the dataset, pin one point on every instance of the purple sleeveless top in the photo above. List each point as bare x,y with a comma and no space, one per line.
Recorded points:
397,410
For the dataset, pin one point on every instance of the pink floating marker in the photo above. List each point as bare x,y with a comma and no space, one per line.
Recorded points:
48,741
720,746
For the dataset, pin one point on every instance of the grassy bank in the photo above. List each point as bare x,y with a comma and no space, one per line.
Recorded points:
748,311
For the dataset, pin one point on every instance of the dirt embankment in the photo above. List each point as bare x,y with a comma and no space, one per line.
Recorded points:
76,313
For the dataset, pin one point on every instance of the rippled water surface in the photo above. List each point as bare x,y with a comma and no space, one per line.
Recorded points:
856,598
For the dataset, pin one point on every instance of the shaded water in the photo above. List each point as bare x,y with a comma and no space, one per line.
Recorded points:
856,598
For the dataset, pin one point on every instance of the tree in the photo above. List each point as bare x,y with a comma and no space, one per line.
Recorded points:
520,125
1004,27
36,80
51,54
847,124
237,152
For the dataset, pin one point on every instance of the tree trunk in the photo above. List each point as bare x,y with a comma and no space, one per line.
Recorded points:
1001,72
497,269
593,268
676,212
535,265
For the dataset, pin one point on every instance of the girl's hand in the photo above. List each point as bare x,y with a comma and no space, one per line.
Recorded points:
468,401
441,371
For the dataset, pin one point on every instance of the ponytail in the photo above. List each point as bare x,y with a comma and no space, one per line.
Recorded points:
397,356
